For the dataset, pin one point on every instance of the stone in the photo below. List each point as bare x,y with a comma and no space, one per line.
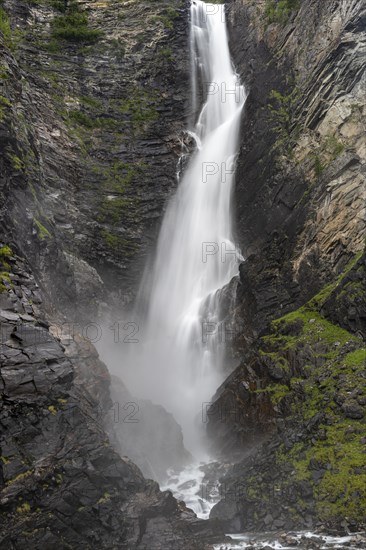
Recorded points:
9,315
352,409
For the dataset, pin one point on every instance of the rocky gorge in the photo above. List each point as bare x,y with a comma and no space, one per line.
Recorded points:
93,106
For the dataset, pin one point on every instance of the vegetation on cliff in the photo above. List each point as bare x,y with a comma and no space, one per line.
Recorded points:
278,11
312,372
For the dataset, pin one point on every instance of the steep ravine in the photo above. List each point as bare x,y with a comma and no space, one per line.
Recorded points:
92,112
91,119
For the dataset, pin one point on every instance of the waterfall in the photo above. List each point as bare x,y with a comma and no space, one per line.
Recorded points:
178,363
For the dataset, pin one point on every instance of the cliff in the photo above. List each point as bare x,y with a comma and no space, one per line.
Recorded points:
91,113
297,400
93,104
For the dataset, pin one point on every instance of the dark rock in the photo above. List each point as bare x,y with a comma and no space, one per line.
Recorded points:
352,409
61,483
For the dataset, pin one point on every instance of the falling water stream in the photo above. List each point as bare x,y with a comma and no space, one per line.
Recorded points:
179,363
177,360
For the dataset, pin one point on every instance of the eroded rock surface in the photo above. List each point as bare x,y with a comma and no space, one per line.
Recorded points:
61,482
90,129
300,202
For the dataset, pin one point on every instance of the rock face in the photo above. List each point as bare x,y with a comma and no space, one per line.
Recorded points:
94,102
61,482
295,405
300,196
303,391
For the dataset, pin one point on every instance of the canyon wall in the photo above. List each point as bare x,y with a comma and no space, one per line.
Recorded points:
297,400
93,105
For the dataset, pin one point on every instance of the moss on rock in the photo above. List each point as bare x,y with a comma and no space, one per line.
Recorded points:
324,456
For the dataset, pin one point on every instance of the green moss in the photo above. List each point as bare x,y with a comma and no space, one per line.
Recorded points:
91,102
140,109
4,73
5,251
16,162
4,275
110,239
342,489
19,477
24,508
105,498
352,291
355,358
52,409
332,374
318,329
5,29
116,181
279,11
4,460
82,118
132,115
4,106
315,330
112,210
73,27
166,54
324,294
277,392
119,176
59,478
42,231
120,246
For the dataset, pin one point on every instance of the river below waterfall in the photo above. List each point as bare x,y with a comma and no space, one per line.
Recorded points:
200,492
304,540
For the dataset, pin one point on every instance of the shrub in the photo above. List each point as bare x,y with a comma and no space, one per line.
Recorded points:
282,109
279,11
5,251
73,27
318,166
4,104
5,27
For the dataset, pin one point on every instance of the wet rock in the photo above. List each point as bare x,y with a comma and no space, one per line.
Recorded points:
147,433
61,482
82,206
352,409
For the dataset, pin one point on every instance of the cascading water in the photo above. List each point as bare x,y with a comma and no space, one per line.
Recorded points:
178,363
176,358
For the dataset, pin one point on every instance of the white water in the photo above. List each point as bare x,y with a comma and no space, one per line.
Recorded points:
178,361
189,485
295,541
